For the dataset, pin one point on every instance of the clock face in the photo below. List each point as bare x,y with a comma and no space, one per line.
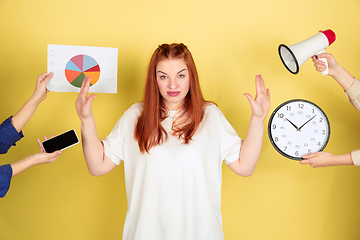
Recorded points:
298,127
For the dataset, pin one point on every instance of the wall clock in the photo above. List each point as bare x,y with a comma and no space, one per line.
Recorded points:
298,127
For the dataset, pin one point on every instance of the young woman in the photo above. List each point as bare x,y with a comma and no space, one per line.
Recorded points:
173,144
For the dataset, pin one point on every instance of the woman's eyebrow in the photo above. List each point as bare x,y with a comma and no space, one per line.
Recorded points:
161,72
182,70
177,73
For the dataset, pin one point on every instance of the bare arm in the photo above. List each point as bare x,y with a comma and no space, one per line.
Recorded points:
34,159
345,80
20,119
97,162
251,147
325,159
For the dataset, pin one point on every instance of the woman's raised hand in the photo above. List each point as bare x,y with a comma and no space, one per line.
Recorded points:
261,104
83,102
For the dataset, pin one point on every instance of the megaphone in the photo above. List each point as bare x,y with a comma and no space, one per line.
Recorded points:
293,56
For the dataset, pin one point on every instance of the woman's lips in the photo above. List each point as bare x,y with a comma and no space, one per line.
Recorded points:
173,93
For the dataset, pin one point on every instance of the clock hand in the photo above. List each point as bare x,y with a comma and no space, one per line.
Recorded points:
297,129
307,122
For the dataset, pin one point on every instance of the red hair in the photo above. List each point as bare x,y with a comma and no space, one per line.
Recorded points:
148,131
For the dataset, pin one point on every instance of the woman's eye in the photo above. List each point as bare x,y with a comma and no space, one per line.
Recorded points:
181,76
162,77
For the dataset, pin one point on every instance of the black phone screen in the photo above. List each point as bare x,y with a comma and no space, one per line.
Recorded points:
60,142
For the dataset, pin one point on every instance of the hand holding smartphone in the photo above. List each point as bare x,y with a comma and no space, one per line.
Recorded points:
61,142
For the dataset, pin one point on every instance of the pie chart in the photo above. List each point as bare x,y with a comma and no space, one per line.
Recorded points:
80,66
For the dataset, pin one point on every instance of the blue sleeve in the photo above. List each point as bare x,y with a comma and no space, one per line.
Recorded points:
8,135
5,179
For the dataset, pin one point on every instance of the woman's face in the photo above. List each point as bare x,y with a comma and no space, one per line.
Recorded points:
173,81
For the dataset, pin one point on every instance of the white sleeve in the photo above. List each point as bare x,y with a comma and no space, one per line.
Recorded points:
355,156
230,142
114,142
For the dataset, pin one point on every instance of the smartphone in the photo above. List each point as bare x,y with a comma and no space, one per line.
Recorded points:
61,142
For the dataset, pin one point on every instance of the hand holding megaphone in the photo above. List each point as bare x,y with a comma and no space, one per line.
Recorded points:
341,75
293,56
324,60
321,65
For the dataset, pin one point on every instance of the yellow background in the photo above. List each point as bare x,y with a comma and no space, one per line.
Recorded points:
231,41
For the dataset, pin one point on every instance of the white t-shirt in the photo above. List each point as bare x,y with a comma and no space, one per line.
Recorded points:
174,192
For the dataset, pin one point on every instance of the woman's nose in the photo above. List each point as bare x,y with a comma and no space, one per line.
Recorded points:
172,83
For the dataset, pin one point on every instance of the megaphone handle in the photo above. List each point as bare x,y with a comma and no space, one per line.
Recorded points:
326,71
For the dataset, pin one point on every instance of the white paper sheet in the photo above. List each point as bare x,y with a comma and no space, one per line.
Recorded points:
70,65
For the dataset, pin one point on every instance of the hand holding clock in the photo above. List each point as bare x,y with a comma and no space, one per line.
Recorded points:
325,159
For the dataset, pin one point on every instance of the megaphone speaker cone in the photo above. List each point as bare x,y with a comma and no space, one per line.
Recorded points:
288,58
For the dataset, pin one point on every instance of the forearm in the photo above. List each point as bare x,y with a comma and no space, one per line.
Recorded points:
250,149
92,147
34,159
325,159
22,165
20,119
343,159
98,163
343,77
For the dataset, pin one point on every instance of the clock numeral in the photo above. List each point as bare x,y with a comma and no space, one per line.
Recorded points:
285,147
288,108
321,119
280,115
297,153
319,144
323,132
301,106
276,139
273,126
309,150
